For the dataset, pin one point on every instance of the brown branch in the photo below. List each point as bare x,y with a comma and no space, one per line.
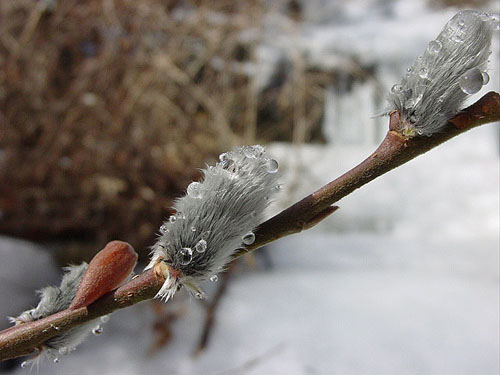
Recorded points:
394,151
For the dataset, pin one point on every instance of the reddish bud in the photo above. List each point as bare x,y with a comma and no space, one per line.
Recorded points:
109,268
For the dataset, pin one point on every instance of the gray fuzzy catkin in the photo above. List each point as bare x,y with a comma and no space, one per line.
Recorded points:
430,94
213,217
54,299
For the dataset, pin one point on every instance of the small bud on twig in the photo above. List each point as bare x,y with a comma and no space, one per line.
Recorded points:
80,286
109,268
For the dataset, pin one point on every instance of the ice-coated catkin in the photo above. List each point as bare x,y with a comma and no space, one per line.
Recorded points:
52,300
452,67
214,218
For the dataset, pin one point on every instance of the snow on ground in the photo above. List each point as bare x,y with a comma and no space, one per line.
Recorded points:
348,304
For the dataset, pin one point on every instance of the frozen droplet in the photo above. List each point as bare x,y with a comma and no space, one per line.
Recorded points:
63,350
272,166
186,255
105,318
251,152
423,73
56,360
172,219
97,330
163,229
194,190
471,81
201,246
224,156
24,364
193,229
434,47
214,278
249,238
486,78
396,89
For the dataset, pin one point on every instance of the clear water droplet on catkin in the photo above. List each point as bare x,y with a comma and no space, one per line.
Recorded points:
471,81
186,255
249,238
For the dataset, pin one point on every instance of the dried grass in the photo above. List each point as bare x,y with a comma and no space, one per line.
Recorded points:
108,107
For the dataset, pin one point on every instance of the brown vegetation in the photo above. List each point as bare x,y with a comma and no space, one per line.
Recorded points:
108,107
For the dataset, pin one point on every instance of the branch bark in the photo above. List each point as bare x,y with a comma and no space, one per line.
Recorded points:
394,151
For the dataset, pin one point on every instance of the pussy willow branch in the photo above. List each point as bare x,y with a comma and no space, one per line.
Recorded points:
394,151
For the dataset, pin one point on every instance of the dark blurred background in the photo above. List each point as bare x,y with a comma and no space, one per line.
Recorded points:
108,107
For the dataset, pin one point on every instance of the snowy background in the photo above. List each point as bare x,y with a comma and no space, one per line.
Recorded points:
403,279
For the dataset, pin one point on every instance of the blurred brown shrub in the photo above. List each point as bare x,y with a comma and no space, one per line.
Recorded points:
108,107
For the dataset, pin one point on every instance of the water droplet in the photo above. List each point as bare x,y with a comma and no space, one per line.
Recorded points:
250,152
486,78
163,229
186,255
201,246
24,364
172,219
105,318
224,156
193,229
249,238
63,350
409,69
198,295
56,360
397,88
471,81
194,190
461,23
434,47
180,215
97,330
423,73
214,278
278,187
272,166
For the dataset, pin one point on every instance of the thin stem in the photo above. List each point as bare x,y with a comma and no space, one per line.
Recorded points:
394,151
